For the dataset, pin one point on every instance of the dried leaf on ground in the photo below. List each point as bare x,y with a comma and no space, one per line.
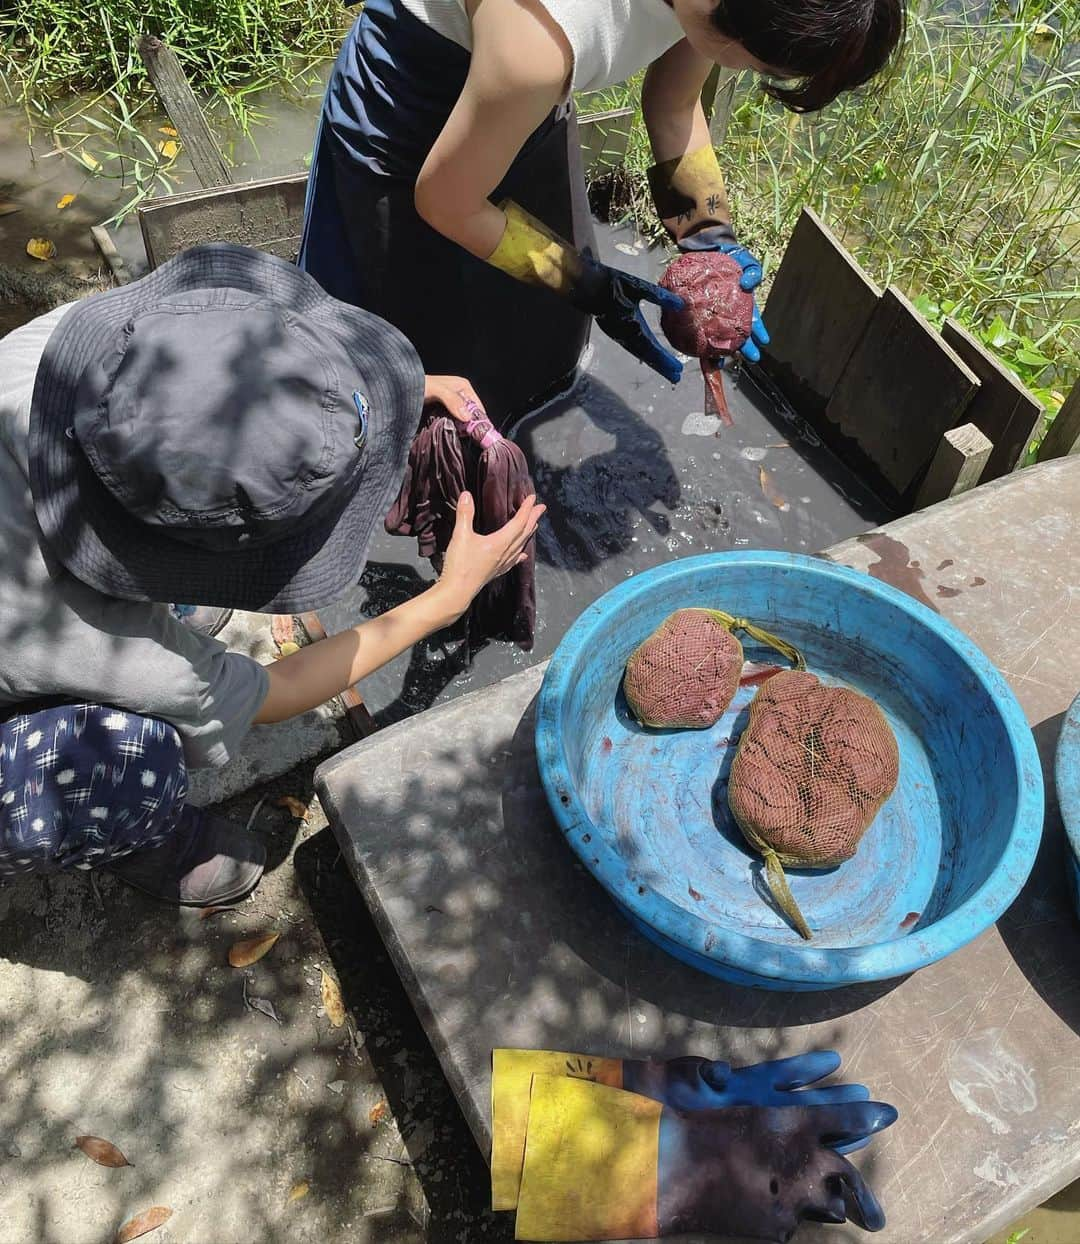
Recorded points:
772,493
91,162
298,1191
103,1152
41,248
251,949
148,1220
65,200
265,1007
296,807
167,148
332,1000
168,131
378,1112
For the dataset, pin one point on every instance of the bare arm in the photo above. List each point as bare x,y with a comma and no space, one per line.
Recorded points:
671,102
520,70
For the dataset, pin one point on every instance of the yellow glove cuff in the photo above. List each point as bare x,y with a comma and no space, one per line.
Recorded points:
590,1163
511,1083
529,251
689,192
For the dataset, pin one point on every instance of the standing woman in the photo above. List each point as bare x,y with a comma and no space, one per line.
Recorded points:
447,162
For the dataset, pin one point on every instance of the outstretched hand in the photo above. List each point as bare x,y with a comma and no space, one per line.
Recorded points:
473,560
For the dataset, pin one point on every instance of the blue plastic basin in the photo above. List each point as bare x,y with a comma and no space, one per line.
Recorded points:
1067,782
647,810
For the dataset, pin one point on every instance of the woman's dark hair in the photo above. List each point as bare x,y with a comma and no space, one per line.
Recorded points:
830,45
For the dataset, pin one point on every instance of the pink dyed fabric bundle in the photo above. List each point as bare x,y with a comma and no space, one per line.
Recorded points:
716,319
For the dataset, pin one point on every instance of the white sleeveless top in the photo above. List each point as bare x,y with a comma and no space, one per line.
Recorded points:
610,39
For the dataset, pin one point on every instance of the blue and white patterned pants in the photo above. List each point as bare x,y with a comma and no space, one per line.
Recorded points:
84,784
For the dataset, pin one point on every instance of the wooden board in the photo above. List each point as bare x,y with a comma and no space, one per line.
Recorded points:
604,137
901,391
268,215
819,306
165,72
959,463
1003,410
1064,435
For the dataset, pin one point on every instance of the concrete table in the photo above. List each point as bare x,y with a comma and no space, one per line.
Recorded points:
502,939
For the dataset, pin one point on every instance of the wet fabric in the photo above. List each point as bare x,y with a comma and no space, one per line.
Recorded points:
686,673
448,458
815,763
391,91
84,784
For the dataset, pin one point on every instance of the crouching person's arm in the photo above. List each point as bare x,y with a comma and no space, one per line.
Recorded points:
315,674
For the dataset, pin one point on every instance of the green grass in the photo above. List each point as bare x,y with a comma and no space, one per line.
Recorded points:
74,66
958,179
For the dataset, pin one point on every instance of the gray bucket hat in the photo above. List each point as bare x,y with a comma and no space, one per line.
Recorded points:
221,432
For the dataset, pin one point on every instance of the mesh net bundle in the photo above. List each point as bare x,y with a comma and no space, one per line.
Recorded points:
686,673
814,765
716,318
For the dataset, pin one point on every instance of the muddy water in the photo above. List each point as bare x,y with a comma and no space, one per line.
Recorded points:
35,175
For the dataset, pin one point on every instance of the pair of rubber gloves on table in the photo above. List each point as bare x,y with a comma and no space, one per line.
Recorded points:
588,1148
691,201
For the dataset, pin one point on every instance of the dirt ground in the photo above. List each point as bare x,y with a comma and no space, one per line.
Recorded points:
121,1018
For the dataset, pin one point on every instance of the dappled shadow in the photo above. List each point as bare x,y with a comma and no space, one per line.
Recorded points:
1041,929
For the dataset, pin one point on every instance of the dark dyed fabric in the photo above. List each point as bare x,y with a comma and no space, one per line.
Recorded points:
448,458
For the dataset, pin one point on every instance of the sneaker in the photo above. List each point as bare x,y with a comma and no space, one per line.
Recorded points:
204,619
207,862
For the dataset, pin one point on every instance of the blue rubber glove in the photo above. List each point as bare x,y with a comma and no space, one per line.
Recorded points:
720,238
693,1083
613,298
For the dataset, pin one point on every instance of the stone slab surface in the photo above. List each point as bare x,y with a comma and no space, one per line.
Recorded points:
500,937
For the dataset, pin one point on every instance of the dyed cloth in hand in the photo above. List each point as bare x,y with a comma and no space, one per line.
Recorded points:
448,458
82,785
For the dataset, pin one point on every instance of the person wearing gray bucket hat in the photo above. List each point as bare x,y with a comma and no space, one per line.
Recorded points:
224,433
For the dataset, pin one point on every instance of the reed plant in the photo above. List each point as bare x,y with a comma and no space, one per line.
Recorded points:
957,178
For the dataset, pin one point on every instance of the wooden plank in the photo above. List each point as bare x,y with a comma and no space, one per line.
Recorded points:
604,137
1064,434
1002,409
268,215
901,391
957,466
171,84
110,254
818,309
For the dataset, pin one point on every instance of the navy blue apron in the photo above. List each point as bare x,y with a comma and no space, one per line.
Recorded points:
393,86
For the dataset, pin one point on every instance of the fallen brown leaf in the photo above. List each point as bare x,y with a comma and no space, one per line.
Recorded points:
168,148
41,248
298,1191
148,1220
332,1001
168,130
378,1112
103,1152
251,949
296,807
65,200
769,488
